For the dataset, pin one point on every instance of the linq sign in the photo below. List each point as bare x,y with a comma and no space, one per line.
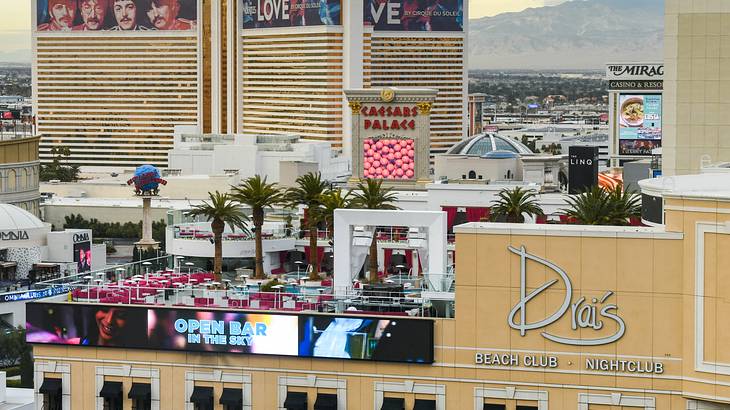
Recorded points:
389,112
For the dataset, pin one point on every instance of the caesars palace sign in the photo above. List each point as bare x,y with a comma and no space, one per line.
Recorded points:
585,314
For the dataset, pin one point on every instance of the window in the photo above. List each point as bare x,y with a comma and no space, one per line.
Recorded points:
232,399
503,145
472,175
51,391
202,398
488,406
141,395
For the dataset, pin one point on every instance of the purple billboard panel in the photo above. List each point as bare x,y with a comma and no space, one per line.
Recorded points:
408,340
289,13
116,15
414,15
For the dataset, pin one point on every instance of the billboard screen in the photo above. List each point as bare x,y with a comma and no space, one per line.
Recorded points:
640,116
82,256
116,15
414,15
289,13
321,336
388,158
638,147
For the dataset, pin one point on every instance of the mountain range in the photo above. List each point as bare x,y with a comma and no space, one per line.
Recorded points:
578,34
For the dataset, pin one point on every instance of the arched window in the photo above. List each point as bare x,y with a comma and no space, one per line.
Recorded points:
12,181
472,175
23,180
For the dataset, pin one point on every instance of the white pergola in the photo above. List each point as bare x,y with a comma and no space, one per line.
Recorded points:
346,220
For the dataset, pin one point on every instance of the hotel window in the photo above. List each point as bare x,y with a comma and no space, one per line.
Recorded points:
325,401
111,392
141,395
202,398
232,399
51,391
523,407
424,404
393,403
491,406
295,401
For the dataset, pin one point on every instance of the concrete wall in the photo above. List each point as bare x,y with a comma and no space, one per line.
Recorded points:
696,82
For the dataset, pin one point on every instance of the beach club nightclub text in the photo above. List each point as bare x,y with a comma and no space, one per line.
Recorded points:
214,332
501,360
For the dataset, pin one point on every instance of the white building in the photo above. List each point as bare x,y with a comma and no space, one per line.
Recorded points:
281,158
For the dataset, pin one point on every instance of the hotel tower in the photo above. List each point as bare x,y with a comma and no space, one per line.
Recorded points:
112,78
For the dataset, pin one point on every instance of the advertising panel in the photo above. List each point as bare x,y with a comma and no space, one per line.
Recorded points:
289,13
82,256
116,15
639,119
321,336
415,15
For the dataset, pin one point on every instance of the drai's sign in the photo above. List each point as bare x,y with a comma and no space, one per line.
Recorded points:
13,235
634,71
585,314
81,237
506,360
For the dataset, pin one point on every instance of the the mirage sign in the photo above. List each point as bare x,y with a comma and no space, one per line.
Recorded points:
634,71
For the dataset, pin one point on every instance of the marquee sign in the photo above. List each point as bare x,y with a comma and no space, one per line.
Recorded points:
391,134
585,314
13,235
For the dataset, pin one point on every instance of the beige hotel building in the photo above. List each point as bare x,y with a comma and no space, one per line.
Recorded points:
546,317
115,96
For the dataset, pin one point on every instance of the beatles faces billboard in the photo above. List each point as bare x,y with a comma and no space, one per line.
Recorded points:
414,15
289,13
116,15
640,123
408,340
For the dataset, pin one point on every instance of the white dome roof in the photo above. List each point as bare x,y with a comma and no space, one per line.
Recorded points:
13,218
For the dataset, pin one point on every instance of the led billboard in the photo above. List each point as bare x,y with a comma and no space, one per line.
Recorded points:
414,15
289,13
408,340
640,123
116,15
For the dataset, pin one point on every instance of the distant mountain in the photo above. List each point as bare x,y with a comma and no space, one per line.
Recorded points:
579,34
15,47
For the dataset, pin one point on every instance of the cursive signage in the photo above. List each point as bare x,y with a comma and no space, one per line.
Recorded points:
588,314
13,235
635,71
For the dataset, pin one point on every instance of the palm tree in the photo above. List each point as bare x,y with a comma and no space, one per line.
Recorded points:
598,206
221,210
373,196
309,192
332,201
255,193
513,204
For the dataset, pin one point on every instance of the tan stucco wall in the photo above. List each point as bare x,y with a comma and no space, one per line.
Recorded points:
652,274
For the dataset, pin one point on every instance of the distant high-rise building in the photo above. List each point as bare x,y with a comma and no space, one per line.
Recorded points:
113,77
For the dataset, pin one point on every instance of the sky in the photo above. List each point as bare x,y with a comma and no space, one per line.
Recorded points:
15,19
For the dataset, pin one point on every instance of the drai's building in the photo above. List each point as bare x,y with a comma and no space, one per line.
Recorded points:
103,83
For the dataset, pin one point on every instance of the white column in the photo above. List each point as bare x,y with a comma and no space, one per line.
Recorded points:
352,23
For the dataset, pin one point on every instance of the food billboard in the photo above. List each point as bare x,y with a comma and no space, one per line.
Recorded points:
639,123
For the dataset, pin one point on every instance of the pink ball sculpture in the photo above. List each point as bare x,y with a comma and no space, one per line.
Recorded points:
388,158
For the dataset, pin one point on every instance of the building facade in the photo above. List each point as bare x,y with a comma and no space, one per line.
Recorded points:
19,173
109,95
547,317
696,79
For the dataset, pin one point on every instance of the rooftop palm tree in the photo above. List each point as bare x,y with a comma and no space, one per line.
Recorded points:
220,210
310,190
513,204
332,201
256,193
372,195
598,206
